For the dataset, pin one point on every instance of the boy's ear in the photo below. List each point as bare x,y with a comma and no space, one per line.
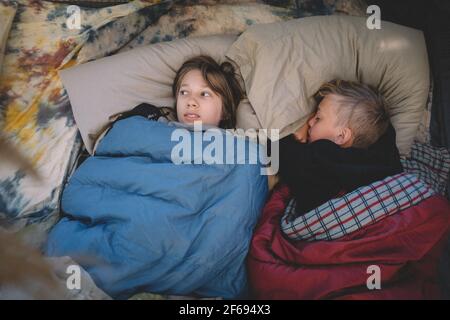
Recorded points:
345,137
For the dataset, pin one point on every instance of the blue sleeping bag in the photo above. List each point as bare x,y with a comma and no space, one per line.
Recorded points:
138,222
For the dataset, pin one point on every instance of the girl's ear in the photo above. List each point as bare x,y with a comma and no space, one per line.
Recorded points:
345,137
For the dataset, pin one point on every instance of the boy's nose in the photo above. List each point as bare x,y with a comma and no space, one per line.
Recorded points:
311,121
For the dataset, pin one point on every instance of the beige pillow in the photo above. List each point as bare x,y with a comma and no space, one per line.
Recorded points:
100,89
7,13
283,64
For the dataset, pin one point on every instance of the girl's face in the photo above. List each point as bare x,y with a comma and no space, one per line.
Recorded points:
198,102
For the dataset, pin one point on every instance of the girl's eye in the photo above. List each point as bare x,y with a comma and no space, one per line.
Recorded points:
182,92
206,94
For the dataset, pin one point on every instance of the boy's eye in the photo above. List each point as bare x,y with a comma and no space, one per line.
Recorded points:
182,92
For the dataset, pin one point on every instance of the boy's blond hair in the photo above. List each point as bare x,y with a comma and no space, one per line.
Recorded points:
361,108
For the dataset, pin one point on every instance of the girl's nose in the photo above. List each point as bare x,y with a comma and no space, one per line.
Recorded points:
312,121
192,103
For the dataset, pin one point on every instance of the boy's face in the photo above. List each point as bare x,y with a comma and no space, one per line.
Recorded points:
324,124
198,102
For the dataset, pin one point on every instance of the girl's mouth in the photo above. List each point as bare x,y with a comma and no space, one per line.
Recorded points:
191,116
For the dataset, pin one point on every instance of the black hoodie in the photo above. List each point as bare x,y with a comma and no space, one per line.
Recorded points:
319,171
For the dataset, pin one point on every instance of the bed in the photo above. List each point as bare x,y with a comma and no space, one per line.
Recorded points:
36,115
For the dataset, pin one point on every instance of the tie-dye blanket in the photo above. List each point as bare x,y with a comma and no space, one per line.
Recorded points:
35,111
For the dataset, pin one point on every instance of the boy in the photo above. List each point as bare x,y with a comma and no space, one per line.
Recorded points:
350,143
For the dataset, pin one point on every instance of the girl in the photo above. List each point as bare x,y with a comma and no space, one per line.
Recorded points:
204,91
148,223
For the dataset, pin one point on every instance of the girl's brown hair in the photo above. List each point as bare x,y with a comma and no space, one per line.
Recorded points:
221,79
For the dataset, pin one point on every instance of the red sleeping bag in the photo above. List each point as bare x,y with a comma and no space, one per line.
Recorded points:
405,246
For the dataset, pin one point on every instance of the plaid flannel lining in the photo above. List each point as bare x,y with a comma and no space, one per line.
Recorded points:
430,164
341,216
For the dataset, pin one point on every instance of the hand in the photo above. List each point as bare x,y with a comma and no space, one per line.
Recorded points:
272,180
301,134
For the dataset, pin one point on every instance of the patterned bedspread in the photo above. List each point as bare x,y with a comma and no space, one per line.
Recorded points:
35,111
